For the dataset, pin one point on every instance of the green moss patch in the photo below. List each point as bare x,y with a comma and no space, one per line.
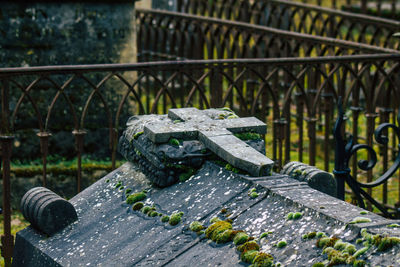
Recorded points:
186,174
229,167
240,238
175,218
136,197
263,260
164,219
226,236
118,185
174,142
196,226
281,244
216,228
146,209
310,235
137,206
248,136
249,256
294,215
360,220
136,135
249,245
254,195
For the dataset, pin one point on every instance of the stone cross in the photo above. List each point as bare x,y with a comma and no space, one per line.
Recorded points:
216,135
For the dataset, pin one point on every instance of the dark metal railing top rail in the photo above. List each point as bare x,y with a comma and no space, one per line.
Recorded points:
295,96
389,8
300,17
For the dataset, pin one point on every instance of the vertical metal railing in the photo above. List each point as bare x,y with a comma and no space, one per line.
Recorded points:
6,139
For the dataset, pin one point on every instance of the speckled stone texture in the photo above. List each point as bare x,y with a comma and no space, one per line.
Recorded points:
109,233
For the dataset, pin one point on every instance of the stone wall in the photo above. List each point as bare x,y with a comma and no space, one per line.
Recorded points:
55,33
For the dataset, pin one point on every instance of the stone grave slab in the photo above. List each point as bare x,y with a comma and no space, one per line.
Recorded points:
109,233
125,219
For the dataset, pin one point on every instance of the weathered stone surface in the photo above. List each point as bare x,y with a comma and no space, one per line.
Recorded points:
110,233
46,211
314,177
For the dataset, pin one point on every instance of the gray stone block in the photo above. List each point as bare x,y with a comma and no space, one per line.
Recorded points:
46,211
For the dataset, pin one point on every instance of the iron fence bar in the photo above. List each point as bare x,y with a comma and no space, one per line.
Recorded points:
196,64
264,29
6,139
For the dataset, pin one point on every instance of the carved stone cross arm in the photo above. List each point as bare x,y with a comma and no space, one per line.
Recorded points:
216,135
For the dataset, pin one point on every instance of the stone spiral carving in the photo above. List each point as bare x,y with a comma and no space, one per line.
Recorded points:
316,178
47,211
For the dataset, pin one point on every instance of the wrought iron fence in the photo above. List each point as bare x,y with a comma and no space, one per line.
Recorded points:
167,35
294,96
301,18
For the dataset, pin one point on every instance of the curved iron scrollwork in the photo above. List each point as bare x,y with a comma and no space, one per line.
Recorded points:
345,149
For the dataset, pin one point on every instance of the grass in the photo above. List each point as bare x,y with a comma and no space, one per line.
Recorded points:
58,165
18,223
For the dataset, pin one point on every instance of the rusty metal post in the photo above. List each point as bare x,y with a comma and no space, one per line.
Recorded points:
79,138
6,139
279,126
44,149
364,6
299,123
311,123
384,114
370,131
113,146
7,240
216,90
327,109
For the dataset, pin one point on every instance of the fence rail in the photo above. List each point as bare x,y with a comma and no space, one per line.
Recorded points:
389,8
296,97
301,18
165,35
